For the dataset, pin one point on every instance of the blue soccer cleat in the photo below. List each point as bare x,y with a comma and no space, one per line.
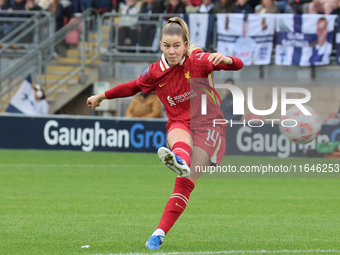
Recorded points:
154,242
175,163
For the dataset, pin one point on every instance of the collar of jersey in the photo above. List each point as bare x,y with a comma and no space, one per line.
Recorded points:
164,64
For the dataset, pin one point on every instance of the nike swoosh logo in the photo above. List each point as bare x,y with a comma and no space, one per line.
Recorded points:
208,144
161,85
179,206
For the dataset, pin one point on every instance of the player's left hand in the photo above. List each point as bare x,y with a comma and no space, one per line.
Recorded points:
93,102
216,58
219,58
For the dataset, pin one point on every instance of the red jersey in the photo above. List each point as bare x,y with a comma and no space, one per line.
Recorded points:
177,90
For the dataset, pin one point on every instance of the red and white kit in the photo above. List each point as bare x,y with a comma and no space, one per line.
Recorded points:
180,88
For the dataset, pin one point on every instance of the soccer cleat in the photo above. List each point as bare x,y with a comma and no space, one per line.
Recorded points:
174,162
154,242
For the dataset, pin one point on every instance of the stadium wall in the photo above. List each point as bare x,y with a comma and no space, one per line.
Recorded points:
137,135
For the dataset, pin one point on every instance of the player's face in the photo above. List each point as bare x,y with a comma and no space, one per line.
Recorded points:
173,48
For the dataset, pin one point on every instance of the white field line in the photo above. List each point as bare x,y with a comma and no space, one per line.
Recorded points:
77,165
229,252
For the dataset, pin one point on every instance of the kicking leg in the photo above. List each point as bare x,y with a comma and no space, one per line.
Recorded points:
178,159
179,198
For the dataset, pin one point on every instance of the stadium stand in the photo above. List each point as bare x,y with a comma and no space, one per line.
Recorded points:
92,53
62,77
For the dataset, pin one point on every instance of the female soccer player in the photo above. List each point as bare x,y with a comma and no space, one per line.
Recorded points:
180,82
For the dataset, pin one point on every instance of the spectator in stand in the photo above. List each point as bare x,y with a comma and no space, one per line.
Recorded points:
207,6
175,6
97,4
127,24
254,3
268,6
151,7
144,106
18,5
56,8
42,3
299,6
4,5
32,6
72,9
192,6
147,32
242,6
283,6
322,6
337,11
224,6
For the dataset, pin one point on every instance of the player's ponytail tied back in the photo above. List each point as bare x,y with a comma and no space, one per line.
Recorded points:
177,26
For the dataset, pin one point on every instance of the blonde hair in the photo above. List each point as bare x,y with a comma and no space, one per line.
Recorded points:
193,48
177,26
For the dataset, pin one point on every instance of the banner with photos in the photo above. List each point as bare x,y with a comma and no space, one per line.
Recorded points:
304,40
338,42
201,26
246,36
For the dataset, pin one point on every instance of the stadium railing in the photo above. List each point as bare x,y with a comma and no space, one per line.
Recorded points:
21,31
35,61
146,29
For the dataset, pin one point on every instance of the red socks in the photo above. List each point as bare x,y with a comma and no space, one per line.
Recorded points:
177,202
182,150
180,197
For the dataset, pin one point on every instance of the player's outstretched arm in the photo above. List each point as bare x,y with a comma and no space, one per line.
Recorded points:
123,90
219,61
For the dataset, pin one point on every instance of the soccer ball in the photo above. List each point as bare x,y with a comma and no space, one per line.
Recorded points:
307,127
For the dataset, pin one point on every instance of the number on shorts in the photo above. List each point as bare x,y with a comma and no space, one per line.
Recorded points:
211,136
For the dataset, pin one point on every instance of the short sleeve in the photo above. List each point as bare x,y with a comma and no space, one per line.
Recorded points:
146,81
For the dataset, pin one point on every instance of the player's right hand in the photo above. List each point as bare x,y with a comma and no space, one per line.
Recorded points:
93,101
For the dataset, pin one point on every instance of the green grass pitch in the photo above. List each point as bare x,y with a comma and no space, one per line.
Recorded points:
54,202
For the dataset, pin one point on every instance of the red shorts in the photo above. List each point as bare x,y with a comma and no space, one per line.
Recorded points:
180,125
208,138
